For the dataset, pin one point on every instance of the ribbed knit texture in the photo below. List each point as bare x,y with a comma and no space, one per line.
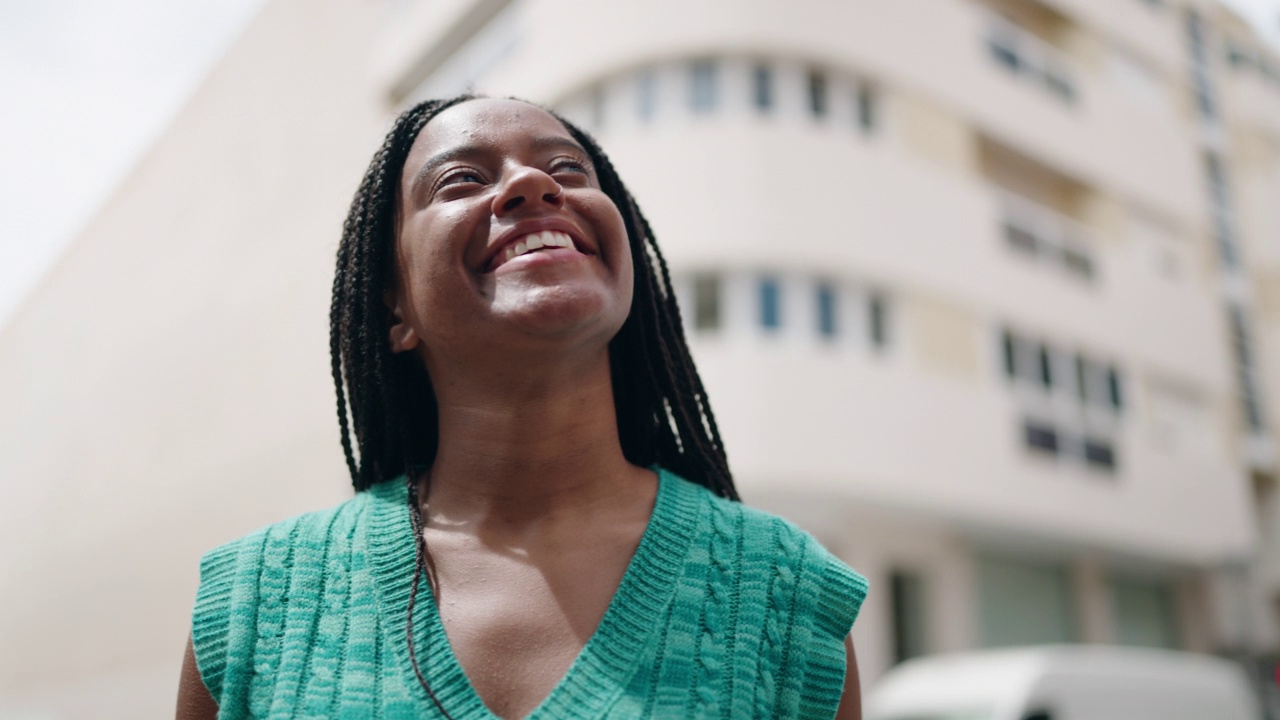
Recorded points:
724,612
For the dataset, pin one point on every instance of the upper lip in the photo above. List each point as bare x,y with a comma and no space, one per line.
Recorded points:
535,225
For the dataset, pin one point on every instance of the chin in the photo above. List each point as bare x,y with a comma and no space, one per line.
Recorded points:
563,311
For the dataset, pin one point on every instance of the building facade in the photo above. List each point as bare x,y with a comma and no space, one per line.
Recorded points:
986,295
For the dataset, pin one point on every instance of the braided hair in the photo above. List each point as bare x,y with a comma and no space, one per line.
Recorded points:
385,399
386,407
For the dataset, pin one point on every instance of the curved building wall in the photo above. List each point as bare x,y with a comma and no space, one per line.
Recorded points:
954,290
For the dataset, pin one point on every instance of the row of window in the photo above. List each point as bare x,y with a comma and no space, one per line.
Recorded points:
1027,601
1071,411
1201,81
1240,57
837,311
1095,451
1029,57
702,86
1032,602
1093,383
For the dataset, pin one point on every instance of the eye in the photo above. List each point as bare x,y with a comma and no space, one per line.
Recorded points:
569,166
461,176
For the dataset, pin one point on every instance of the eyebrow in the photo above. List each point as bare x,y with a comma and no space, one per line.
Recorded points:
541,144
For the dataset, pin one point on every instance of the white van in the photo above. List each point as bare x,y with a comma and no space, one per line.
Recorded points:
1064,683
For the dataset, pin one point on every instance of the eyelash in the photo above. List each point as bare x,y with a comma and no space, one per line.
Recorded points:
558,165
578,165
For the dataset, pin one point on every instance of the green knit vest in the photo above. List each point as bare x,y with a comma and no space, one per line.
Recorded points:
724,611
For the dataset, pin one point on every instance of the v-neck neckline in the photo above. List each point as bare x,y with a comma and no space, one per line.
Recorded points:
611,654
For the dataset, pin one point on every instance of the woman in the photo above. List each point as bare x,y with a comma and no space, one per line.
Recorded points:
532,440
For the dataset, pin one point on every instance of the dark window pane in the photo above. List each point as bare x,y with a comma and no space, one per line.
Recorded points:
1010,355
1019,238
879,329
703,90
770,303
762,85
1004,54
1113,387
706,302
1082,378
909,624
866,109
817,93
1046,367
1040,436
1060,85
1099,453
1078,262
826,310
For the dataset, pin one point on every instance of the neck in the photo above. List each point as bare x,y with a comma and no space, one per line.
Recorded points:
527,442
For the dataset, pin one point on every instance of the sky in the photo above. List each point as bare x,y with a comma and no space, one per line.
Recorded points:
89,84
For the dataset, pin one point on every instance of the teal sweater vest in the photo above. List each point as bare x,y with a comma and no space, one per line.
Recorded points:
724,612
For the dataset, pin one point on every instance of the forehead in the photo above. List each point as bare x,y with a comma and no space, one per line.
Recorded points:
487,124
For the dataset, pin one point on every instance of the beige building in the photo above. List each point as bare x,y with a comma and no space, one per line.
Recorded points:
986,295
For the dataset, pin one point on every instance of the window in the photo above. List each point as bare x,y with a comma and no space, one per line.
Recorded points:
826,301
706,302
1113,388
1200,67
1023,54
1055,391
1040,436
1009,346
865,108
1242,348
1144,612
647,94
770,303
1099,453
762,87
907,594
817,83
878,320
1082,375
1046,367
1237,56
1041,232
703,90
1024,602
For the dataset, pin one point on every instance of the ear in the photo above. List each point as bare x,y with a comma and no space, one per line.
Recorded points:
402,335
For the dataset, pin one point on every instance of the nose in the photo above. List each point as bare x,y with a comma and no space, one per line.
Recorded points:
527,187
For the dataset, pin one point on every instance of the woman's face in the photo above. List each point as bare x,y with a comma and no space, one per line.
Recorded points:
505,240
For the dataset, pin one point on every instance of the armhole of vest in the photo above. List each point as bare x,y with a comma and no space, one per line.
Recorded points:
841,595
211,618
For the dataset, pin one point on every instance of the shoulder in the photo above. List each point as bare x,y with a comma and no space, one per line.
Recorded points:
246,577
771,546
302,535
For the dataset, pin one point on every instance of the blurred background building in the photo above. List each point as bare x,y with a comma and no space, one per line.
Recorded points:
986,294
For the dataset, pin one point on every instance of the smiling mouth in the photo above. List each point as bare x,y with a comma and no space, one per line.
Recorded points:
534,242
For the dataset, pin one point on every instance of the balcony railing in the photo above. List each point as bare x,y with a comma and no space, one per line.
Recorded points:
1046,234
1028,56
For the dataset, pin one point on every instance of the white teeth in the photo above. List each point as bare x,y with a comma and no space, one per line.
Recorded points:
537,241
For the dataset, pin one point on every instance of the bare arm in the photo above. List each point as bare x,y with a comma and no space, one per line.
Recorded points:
851,702
194,700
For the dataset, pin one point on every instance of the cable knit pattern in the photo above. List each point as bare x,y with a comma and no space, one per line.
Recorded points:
724,611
